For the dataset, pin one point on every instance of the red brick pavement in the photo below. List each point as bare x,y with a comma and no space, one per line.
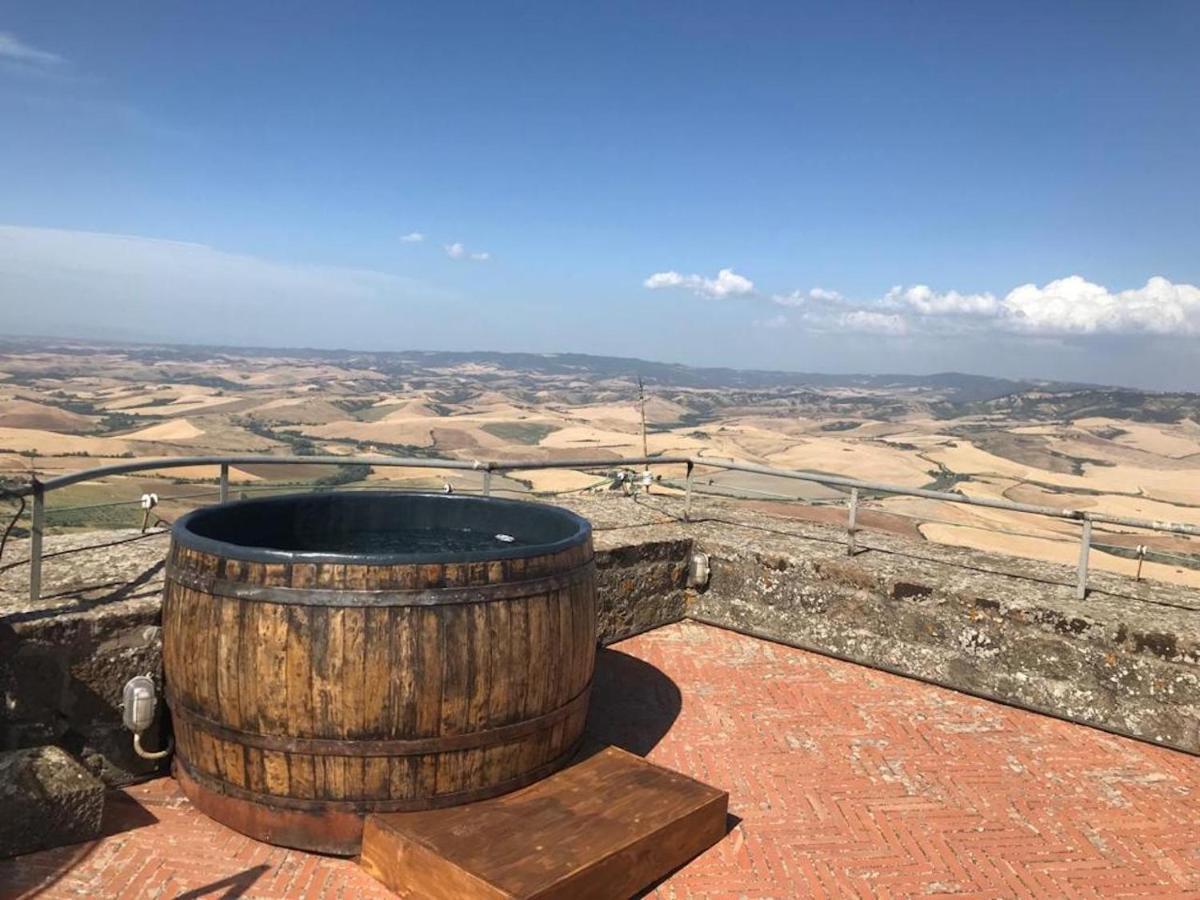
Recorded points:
159,845
844,782
851,782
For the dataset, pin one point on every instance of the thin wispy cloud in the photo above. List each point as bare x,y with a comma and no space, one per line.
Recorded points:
866,321
413,237
779,320
13,49
48,277
812,297
458,251
727,283
52,85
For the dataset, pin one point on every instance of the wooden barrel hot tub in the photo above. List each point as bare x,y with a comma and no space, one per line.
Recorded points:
332,655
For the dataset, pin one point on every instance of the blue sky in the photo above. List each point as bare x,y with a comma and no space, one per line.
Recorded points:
891,186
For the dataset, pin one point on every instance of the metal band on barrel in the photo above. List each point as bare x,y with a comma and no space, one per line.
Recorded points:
275,801
351,747
311,596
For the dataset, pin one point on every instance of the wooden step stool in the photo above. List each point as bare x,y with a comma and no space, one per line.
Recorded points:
605,827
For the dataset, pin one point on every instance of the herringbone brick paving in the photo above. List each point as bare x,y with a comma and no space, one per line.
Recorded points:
851,782
843,782
161,846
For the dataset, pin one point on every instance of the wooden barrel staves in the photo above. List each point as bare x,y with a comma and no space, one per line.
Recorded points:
332,655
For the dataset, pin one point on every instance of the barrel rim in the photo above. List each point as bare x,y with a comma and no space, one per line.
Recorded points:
579,532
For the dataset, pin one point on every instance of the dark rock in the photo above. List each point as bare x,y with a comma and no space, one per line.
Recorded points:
906,590
1159,644
47,799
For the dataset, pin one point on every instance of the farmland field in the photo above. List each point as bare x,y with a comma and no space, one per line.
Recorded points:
66,406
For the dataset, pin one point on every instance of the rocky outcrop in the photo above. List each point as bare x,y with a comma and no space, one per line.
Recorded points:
46,800
64,660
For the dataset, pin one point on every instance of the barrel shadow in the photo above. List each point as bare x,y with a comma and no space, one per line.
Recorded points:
633,704
234,886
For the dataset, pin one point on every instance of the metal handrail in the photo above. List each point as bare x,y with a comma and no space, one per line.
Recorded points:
38,489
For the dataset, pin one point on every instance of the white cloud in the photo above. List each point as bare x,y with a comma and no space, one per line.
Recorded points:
819,293
458,251
823,311
413,237
664,280
923,300
15,50
728,283
809,299
1065,307
1076,306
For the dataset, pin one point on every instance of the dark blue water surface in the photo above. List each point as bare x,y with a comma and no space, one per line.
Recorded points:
431,541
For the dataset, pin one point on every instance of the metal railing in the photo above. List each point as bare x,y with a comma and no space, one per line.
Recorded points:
37,490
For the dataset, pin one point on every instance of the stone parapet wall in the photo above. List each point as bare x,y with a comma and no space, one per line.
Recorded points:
1127,658
64,660
641,586
62,678
1102,661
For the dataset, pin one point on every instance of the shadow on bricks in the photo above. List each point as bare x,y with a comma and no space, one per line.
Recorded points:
234,886
633,703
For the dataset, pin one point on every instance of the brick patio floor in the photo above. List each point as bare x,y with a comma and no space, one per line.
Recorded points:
843,782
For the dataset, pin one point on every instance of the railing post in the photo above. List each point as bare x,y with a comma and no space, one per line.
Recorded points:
687,500
1085,546
36,531
852,524
487,482
224,483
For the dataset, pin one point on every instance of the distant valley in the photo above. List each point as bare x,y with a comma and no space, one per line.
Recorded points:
66,405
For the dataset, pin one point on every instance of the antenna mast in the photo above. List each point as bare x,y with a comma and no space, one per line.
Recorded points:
645,446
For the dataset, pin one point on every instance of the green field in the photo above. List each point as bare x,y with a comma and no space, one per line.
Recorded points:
529,433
